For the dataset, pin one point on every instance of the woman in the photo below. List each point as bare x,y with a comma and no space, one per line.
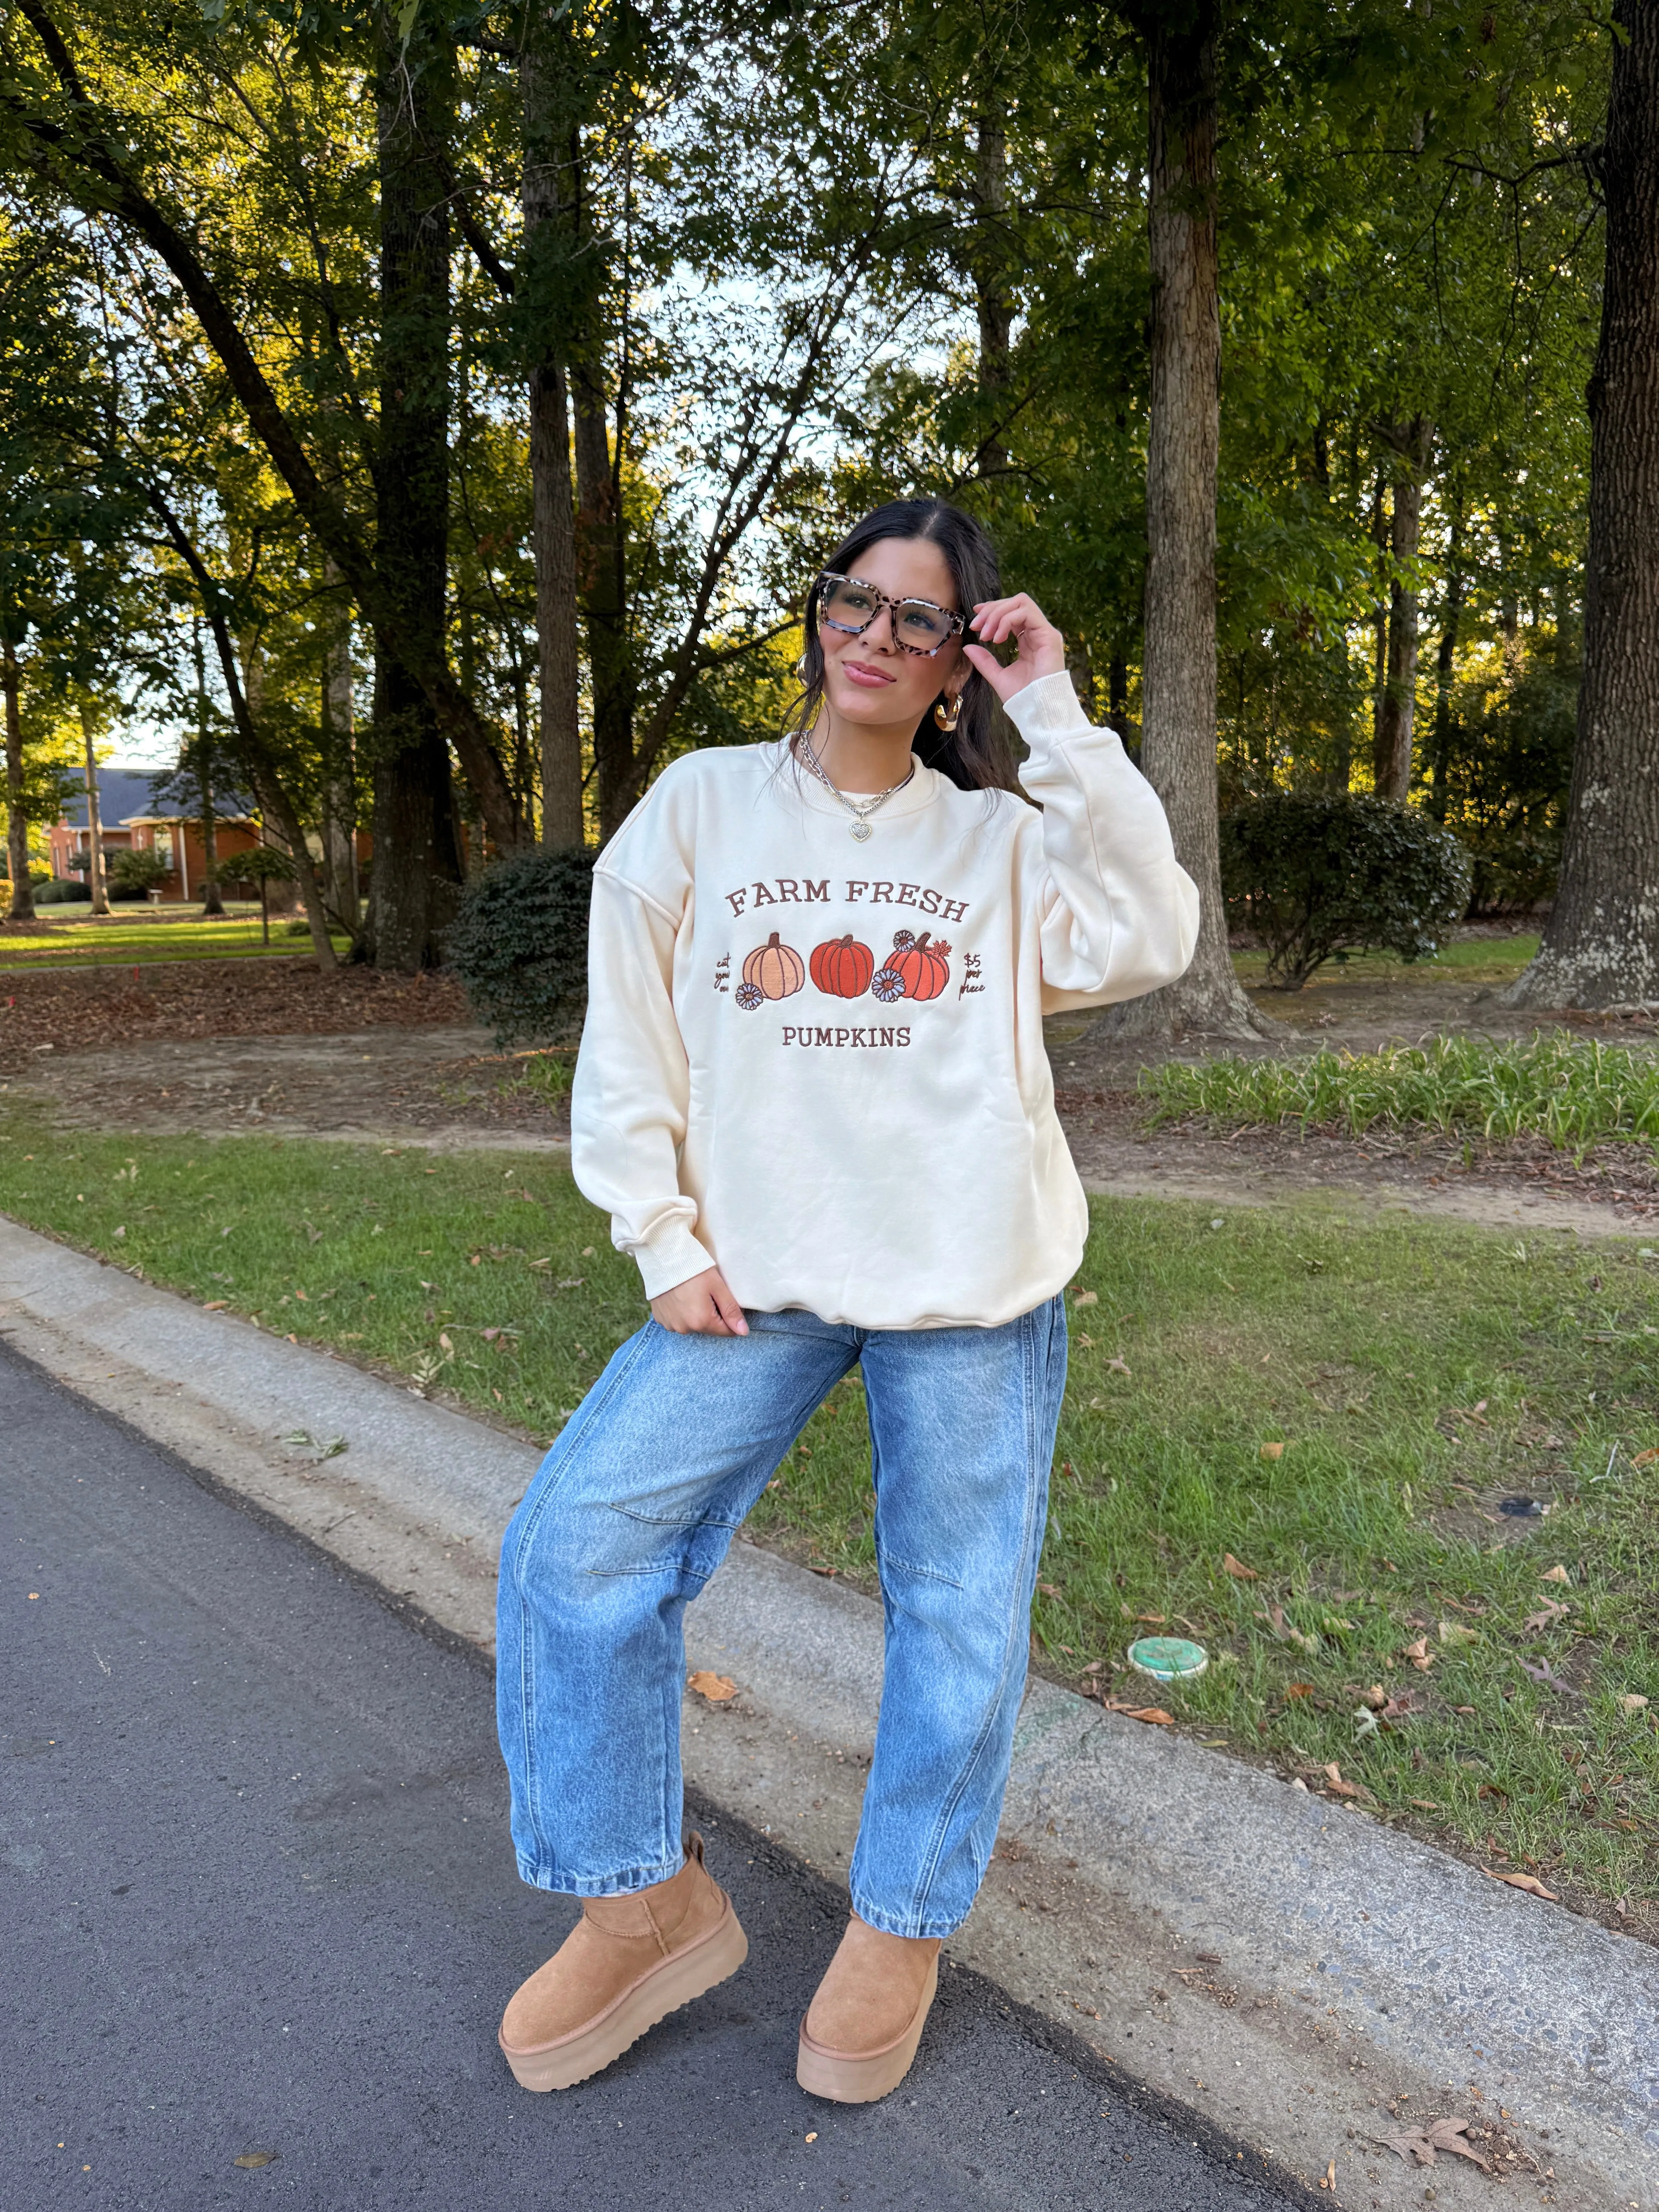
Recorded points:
813,1096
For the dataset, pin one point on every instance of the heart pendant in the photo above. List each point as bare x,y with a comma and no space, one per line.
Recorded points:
861,830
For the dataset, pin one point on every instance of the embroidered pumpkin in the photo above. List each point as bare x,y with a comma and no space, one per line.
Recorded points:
842,968
921,971
776,970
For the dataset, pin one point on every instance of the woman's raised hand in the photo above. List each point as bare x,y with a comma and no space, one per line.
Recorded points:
704,1306
1040,649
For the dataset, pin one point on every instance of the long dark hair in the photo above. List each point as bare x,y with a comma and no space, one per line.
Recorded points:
975,756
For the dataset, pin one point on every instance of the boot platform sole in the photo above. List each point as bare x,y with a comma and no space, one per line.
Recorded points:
681,1976
847,2077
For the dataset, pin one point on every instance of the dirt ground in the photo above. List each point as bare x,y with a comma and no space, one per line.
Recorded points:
212,1049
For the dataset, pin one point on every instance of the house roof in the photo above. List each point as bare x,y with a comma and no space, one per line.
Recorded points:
127,794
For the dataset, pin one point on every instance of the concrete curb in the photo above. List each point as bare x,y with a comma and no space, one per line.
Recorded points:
1286,1968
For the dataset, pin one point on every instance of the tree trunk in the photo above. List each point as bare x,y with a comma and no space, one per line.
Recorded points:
269,793
1178,669
212,902
416,883
548,215
1391,767
17,820
1601,946
601,583
339,792
989,270
1380,608
1445,661
97,874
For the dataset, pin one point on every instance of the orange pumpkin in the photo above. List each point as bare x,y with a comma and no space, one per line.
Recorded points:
842,968
776,970
920,970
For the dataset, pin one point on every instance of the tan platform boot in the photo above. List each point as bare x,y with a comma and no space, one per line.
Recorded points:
628,1962
862,2028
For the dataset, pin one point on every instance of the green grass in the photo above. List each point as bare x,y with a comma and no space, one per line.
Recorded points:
1466,960
1574,1095
70,938
1414,1372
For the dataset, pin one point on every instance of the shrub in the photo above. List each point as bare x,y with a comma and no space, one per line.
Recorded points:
62,891
519,945
1317,878
134,873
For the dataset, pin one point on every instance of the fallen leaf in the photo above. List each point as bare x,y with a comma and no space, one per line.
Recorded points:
1454,1633
1298,1689
1333,1780
1556,1575
1273,1451
1632,1702
1547,1612
256,2158
444,1341
1419,1655
1646,1458
1376,1697
215,1305
1439,2134
1546,1675
1086,1298
1238,1568
1116,1366
1532,1887
1154,1715
1424,1804
717,1688
1048,1589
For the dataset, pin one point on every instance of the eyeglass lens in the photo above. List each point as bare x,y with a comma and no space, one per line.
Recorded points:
853,606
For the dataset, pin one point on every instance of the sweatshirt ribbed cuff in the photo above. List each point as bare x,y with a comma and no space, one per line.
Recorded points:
1047,708
673,1255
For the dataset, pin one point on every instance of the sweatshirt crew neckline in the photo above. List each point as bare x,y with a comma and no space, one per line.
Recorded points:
921,790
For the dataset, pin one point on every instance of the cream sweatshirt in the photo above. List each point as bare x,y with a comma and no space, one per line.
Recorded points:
818,1063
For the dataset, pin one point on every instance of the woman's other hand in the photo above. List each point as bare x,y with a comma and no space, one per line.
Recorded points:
1040,650
701,1306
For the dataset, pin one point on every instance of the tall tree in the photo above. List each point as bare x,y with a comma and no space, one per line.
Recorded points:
414,884
339,764
1178,682
1391,768
548,67
17,817
1601,944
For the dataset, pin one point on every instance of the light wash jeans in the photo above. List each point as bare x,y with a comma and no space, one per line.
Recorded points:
635,1506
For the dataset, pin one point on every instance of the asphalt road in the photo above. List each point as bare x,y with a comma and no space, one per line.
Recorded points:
259,1903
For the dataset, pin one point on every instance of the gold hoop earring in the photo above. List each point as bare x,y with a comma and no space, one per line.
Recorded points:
948,722
800,670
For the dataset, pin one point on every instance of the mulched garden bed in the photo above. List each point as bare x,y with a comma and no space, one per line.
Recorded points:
209,999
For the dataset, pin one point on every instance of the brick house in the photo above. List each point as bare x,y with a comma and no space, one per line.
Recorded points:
130,818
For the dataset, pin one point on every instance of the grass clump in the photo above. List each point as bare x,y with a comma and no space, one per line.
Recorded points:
1573,1095
1413,1375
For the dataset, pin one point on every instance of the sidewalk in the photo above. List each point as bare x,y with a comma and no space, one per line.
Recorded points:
1285,1969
